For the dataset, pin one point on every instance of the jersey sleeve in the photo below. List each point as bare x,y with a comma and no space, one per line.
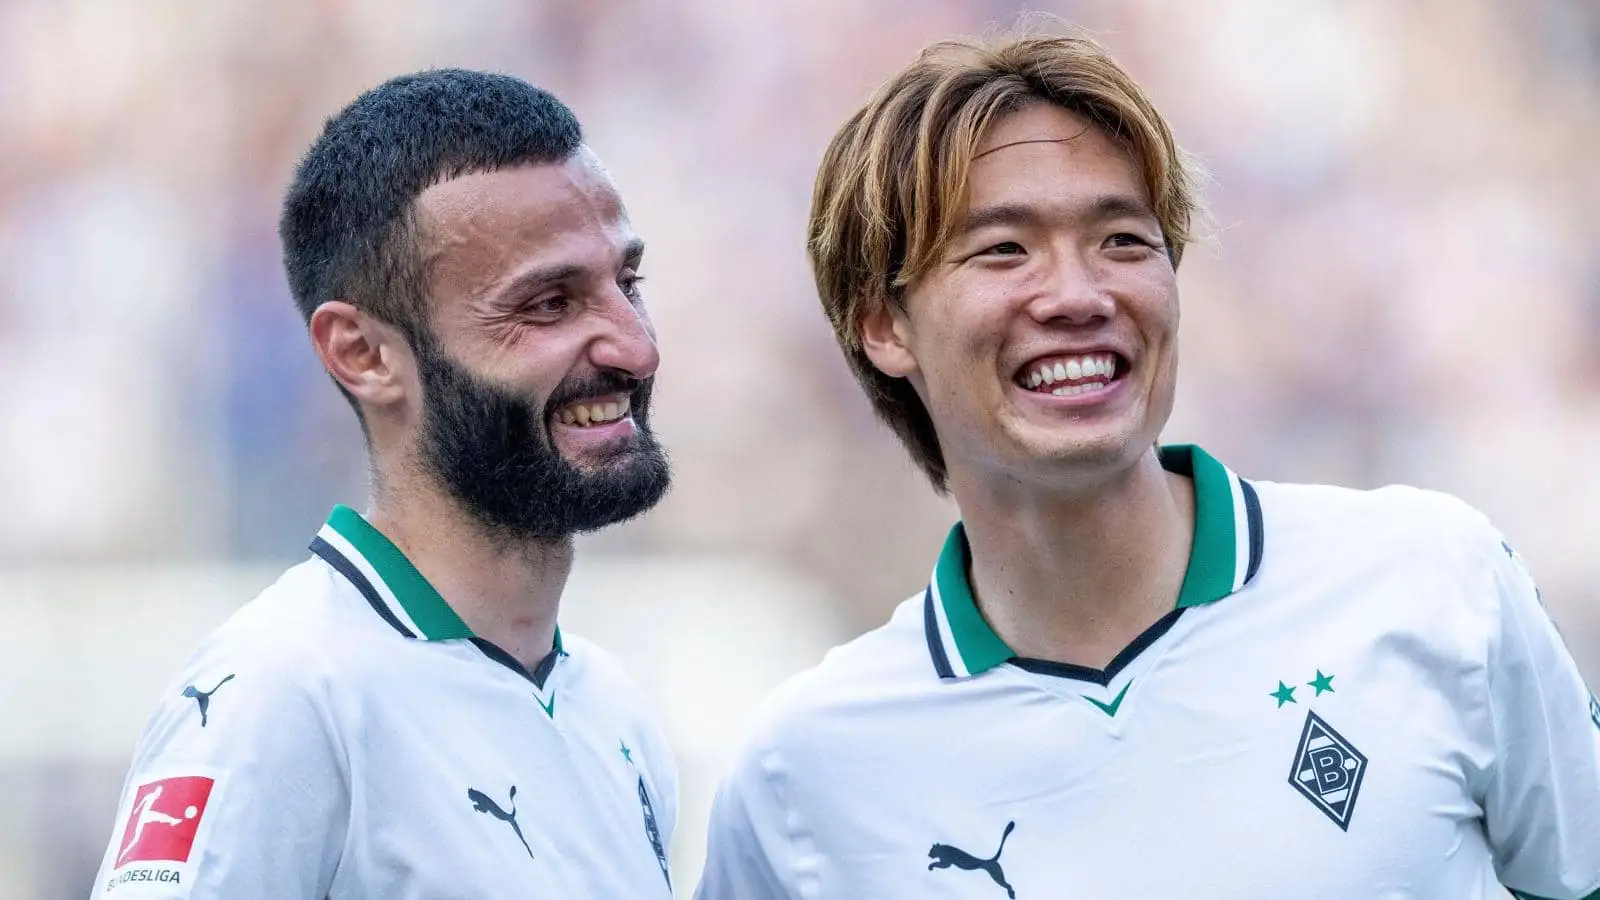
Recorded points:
1542,799
748,846
238,788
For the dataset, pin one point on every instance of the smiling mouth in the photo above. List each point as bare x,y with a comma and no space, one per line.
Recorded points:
1068,376
594,411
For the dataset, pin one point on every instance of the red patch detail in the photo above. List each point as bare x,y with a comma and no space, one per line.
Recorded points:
164,820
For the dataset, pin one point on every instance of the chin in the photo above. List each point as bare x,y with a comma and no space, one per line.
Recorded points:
1103,453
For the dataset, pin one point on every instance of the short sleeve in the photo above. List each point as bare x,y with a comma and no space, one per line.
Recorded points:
238,788
1542,801
749,842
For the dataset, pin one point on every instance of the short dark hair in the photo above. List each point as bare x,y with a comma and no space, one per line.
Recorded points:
348,226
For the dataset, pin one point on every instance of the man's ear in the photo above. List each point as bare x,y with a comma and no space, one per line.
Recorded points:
886,339
365,356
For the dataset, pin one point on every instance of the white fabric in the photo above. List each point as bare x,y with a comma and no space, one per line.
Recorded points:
343,753
1482,760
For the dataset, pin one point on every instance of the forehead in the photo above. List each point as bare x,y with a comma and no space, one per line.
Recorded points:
477,226
1043,149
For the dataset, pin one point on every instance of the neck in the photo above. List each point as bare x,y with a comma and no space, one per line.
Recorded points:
507,592
1076,577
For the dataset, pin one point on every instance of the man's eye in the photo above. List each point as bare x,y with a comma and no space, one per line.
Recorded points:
1126,239
630,285
1005,248
549,306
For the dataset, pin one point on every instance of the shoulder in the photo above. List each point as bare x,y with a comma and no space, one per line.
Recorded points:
1395,557
1391,521
262,687
297,621
602,673
606,681
279,645
1395,508
818,708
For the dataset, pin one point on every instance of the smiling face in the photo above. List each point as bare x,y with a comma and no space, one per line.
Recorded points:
536,373
1043,343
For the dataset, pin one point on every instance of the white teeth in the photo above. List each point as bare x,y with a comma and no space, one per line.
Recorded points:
1100,365
1072,390
585,414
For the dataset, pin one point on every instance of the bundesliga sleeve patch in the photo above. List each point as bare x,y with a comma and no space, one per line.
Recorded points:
161,833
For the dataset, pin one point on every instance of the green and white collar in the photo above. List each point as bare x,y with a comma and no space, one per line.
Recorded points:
380,571
1224,557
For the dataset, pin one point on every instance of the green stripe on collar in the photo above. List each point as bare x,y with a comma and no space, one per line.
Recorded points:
433,616
1214,556
976,644
1222,544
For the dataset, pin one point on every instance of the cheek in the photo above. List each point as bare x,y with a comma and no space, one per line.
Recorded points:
1161,328
970,321
956,365
532,359
956,332
1158,293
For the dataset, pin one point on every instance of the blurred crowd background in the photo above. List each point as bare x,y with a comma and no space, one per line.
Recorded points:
1400,283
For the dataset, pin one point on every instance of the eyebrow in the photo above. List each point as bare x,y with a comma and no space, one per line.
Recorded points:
1107,206
535,278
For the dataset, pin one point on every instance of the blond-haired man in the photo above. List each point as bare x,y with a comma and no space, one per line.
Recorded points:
1133,673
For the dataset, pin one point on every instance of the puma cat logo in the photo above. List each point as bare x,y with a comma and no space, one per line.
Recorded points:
482,803
202,699
944,856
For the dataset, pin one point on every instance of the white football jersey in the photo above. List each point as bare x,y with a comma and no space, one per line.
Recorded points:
346,736
1358,695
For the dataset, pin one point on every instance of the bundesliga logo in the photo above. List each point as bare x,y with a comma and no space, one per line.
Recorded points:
164,819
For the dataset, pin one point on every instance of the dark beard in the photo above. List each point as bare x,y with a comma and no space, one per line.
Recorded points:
491,450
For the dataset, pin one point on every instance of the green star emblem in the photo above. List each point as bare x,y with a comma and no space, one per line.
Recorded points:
1323,684
626,753
1284,694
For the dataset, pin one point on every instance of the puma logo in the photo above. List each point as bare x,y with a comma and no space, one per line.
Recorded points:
482,803
944,856
202,699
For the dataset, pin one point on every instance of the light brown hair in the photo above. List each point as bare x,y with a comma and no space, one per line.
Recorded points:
893,182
